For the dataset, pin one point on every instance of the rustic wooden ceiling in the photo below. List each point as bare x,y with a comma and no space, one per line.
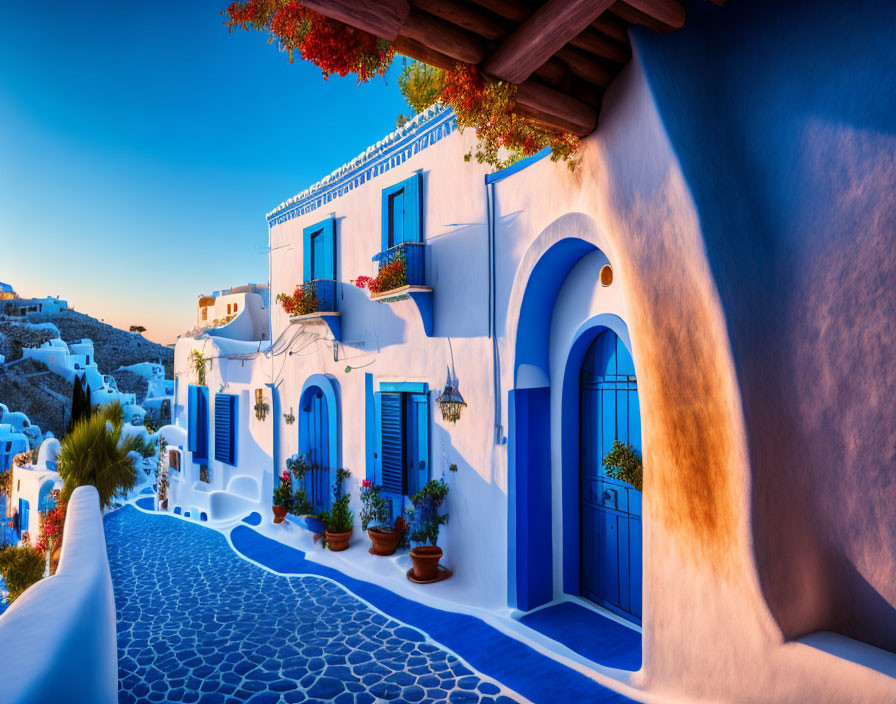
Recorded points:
562,54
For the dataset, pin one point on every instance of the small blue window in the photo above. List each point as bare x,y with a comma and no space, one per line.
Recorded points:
396,218
319,251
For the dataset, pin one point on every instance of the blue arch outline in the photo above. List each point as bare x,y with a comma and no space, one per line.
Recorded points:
329,386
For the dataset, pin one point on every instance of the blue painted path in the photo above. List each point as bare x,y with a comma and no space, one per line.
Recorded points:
589,634
524,670
196,623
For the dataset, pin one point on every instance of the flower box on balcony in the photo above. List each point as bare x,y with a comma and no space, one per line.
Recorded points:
402,271
315,301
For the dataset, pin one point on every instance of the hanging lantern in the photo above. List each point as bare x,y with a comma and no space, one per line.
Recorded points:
450,401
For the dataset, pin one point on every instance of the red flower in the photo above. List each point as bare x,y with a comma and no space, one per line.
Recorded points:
366,484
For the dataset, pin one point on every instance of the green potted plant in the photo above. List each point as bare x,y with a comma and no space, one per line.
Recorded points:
427,519
283,499
623,463
299,466
339,521
374,519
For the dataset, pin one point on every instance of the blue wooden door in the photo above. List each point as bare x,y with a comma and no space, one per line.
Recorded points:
610,508
24,517
317,482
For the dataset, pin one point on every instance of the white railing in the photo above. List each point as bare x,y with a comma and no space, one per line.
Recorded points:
58,638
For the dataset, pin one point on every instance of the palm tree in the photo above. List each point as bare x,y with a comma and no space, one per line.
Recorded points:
95,453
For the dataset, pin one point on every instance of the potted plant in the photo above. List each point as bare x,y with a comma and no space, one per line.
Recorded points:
623,463
283,499
426,518
339,521
299,466
374,519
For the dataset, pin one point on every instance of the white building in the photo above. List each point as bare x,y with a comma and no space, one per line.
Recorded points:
32,490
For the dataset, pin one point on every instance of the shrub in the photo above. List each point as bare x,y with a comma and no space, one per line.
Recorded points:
391,275
21,567
303,301
622,463
95,453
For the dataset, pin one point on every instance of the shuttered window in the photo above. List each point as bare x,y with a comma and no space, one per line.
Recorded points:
319,251
402,212
225,428
393,433
197,417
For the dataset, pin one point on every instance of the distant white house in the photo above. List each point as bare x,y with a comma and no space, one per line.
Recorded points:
32,490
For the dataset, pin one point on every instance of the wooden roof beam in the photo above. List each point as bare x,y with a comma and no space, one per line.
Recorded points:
658,15
537,39
468,16
382,18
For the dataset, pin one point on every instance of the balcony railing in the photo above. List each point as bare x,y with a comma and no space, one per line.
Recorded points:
325,292
414,254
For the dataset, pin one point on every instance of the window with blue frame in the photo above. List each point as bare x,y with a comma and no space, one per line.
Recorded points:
319,262
197,417
403,434
402,227
225,428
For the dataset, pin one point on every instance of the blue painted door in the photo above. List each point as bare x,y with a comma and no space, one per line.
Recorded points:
317,483
610,508
24,517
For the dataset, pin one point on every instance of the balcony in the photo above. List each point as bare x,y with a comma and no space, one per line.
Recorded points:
324,290
412,284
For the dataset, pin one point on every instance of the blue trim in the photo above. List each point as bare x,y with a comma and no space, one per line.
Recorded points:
380,160
329,386
518,166
409,387
326,267
369,428
530,553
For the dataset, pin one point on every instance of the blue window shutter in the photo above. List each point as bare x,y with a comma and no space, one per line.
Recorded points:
418,442
201,451
384,235
225,428
306,253
328,258
393,439
192,410
413,209
378,439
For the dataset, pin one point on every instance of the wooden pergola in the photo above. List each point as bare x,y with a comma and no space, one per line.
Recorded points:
562,54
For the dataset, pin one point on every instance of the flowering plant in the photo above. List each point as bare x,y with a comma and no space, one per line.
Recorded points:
283,493
51,524
331,45
302,302
391,275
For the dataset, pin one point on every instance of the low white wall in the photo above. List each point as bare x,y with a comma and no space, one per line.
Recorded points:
63,627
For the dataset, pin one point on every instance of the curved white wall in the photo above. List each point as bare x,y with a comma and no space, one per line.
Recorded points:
63,627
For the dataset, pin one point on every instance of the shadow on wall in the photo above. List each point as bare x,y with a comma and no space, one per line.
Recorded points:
788,144
458,270
364,319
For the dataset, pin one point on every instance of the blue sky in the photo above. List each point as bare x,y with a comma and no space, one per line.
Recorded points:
141,145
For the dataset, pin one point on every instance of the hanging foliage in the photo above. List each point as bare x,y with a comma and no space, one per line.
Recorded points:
332,46
303,301
484,105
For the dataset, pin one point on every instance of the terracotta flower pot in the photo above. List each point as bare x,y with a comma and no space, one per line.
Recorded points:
385,543
338,542
279,513
426,562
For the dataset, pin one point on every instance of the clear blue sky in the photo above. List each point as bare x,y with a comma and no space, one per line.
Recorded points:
141,145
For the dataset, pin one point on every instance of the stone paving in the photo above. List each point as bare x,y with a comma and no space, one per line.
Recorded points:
196,623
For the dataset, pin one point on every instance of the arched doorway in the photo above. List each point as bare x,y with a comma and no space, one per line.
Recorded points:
319,437
316,447
610,509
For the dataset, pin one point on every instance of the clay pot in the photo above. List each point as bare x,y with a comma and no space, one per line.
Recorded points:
384,543
337,542
280,513
426,562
